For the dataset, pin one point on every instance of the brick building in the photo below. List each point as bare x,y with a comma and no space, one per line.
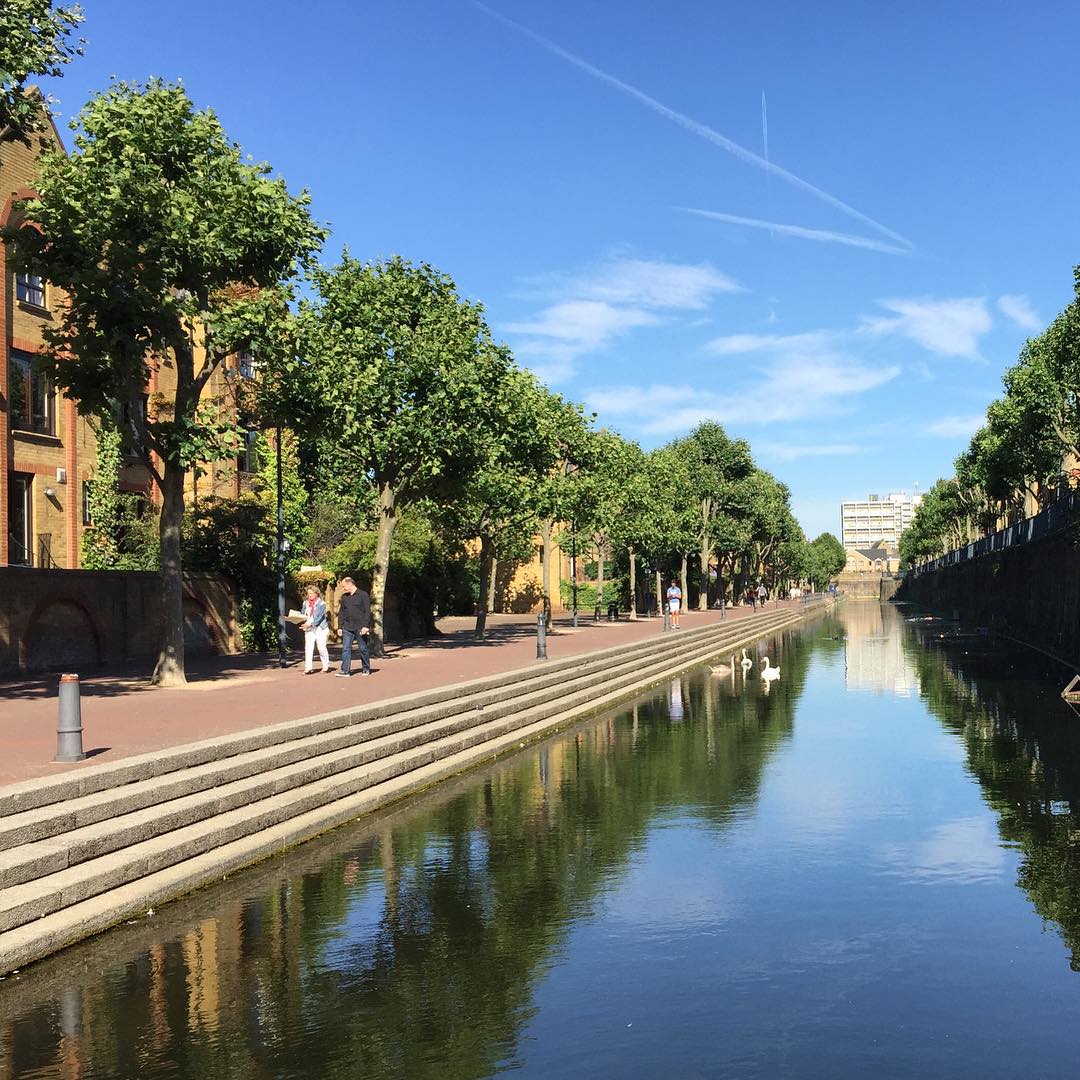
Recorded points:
47,451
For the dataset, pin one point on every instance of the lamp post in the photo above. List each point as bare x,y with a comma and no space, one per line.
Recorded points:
570,467
283,642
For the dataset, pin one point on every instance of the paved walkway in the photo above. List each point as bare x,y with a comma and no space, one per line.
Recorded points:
123,715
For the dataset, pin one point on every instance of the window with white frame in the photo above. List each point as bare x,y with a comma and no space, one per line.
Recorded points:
30,289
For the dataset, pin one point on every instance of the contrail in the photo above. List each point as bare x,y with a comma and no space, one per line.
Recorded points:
765,129
823,235
699,129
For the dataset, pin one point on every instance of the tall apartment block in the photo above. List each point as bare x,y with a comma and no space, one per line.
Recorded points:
877,519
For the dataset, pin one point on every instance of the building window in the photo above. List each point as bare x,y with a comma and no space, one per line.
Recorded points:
245,364
30,289
31,397
20,553
247,460
87,517
131,419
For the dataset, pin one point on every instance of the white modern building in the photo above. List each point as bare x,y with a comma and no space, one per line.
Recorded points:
877,519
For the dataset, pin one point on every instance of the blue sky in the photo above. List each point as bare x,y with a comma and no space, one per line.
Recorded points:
920,173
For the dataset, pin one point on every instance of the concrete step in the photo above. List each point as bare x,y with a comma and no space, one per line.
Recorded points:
33,874
18,798
284,744
230,801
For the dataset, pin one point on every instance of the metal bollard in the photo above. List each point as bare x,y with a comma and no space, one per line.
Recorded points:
667,620
541,637
69,723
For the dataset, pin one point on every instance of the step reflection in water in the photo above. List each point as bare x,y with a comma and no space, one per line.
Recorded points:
412,944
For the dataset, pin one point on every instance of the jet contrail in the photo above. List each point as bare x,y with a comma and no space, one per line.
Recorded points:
765,129
823,235
699,129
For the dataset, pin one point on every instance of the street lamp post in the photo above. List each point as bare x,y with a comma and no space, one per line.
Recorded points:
283,642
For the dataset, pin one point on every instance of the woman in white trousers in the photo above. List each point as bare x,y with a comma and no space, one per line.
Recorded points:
316,630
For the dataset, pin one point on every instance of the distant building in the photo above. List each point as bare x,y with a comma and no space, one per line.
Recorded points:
877,520
879,558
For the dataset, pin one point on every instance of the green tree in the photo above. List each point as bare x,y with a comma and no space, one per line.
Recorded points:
35,42
826,558
400,373
715,466
169,246
501,500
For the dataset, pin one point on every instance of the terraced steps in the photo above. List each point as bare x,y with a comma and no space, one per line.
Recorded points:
85,850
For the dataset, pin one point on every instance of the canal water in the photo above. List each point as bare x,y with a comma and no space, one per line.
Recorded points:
870,867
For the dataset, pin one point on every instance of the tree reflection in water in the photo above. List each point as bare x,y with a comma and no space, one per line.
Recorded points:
414,947
1022,743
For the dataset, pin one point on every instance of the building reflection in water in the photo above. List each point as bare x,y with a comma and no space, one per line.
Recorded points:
874,654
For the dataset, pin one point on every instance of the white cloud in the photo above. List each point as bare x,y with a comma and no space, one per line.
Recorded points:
1018,308
596,306
736,344
945,327
956,427
586,323
792,386
654,283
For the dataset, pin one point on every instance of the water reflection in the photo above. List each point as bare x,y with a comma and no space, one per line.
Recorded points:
876,659
1022,743
438,920
714,880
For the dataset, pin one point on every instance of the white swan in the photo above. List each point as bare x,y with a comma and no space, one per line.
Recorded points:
746,663
723,669
769,674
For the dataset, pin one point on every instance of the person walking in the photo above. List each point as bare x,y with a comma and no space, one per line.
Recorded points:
354,618
751,598
762,595
316,630
674,603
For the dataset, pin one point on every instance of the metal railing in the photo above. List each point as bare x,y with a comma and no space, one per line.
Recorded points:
1061,513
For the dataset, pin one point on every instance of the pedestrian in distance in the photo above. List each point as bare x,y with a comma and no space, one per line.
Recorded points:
751,598
354,618
316,630
762,595
674,602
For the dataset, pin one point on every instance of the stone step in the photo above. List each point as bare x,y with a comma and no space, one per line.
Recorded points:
284,744
256,793
51,838
42,877
87,780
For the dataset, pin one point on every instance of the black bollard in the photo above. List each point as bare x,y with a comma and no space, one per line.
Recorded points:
69,723
541,637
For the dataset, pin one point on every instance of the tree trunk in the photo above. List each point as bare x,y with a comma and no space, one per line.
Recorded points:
169,670
545,569
487,585
683,582
659,594
387,511
633,584
494,581
703,597
599,572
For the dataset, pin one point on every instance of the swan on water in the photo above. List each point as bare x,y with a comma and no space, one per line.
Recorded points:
746,662
768,673
723,669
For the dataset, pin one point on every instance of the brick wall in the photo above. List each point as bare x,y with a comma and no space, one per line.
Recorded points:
52,619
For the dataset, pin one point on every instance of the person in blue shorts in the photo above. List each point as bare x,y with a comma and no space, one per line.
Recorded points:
674,603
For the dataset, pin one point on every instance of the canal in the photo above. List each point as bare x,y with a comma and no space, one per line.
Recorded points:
869,867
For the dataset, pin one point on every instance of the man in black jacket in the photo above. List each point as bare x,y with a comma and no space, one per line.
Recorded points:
354,618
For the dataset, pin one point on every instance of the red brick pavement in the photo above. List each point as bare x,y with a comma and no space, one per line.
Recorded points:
123,715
